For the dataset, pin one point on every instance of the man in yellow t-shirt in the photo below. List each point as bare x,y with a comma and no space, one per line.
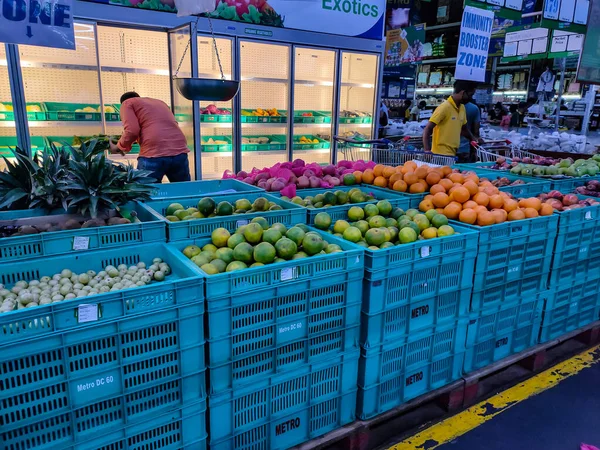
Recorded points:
448,121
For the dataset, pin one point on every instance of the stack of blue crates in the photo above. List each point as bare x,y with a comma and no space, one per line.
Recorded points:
130,373
414,319
573,298
510,283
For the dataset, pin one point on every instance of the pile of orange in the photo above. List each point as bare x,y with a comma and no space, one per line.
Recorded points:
480,203
408,178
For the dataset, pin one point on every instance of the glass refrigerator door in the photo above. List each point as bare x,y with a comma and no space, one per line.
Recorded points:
132,60
8,133
265,73
62,89
314,75
357,98
216,124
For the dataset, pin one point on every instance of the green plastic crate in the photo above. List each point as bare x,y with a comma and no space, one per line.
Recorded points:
394,372
7,143
282,118
212,148
257,279
149,229
279,143
66,112
345,120
317,116
312,146
281,411
203,188
214,118
493,336
190,229
31,116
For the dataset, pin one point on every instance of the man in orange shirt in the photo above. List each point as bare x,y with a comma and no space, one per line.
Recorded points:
163,147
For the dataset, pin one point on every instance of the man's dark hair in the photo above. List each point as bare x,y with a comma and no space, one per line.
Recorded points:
464,85
128,95
422,104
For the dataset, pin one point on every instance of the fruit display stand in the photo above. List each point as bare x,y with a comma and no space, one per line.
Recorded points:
190,229
102,368
276,142
206,188
216,147
340,212
394,372
492,336
33,116
146,228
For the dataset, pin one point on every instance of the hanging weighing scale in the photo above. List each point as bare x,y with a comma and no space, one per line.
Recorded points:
211,89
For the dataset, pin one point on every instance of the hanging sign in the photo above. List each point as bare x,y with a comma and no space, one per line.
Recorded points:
473,44
404,46
565,44
526,44
47,23
567,15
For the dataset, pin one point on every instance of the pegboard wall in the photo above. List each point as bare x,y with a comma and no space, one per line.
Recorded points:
359,68
114,84
5,95
314,64
357,98
138,49
260,94
84,53
313,97
60,85
207,57
264,60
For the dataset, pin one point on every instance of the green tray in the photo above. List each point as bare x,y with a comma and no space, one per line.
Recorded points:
280,139
214,148
221,118
317,116
265,119
7,143
321,144
67,112
356,119
32,116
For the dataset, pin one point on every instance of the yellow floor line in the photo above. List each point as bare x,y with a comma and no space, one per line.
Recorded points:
476,415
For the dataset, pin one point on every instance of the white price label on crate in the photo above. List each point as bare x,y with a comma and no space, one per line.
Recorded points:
425,252
87,313
289,273
81,243
241,223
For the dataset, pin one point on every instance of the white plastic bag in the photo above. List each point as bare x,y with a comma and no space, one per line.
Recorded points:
194,7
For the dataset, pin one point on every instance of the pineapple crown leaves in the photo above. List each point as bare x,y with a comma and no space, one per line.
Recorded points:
17,180
49,183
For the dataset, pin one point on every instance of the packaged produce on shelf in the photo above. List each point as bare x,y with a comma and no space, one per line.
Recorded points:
379,226
212,109
257,244
208,208
68,285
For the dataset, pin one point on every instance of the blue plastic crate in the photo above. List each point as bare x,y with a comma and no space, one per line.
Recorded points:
418,271
282,411
585,270
492,298
291,214
340,212
204,188
494,336
569,308
105,376
569,184
396,372
273,275
183,286
281,328
180,429
149,229
531,187
427,314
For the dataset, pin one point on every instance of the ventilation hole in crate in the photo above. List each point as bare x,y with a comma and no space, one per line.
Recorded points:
395,321
121,237
151,370
92,354
292,353
327,320
418,351
289,394
391,392
154,300
253,314
448,304
21,328
114,446
157,438
149,340
252,341
21,250
325,382
250,408
290,305
129,260
248,281
324,415
401,255
99,414
32,403
443,343
254,439
253,365
50,431
484,352
392,361
397,289
441,371
8,279
43,367
332,342
156,397
328,296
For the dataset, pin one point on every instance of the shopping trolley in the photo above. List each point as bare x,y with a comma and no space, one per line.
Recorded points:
386,152
489,151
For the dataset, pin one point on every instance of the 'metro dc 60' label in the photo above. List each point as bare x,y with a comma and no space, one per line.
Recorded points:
286,426
414,378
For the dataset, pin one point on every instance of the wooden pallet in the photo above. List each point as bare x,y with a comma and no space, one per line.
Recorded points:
472,388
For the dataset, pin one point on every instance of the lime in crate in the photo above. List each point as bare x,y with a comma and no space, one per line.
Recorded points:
100,376
414,317
281,411
143,228
182,428
222,208
281,328
493,336
342,198
393,373
205,188
570,307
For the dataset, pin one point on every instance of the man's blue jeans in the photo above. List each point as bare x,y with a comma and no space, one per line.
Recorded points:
176,168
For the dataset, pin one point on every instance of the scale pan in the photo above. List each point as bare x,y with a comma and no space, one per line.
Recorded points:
214,90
